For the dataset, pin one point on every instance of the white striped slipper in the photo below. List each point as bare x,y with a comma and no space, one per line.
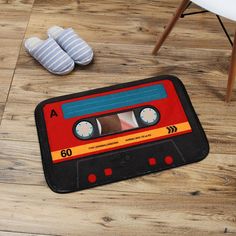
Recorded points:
75,46
50,55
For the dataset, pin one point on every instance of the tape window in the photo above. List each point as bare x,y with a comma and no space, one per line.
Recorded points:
116,123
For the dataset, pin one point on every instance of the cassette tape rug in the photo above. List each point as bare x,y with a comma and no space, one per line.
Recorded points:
119,132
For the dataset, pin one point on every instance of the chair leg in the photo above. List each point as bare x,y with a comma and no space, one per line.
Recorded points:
170,25
232,72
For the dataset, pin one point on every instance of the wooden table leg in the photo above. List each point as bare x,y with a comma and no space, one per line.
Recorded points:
170,25
232,72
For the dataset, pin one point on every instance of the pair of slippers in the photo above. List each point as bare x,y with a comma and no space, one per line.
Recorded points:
61,51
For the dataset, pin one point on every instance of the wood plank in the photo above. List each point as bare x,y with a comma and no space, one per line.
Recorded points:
204,72
21,163
11,233
15,6
155,8
123,64
104,7
131,28
2,106
5,78
92,212
18,123
14,16
8,52
136,59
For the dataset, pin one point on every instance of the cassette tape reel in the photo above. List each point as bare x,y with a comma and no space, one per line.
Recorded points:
114,133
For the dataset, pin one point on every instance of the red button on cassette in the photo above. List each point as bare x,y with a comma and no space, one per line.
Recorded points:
108,172
92,178
169,160
152,161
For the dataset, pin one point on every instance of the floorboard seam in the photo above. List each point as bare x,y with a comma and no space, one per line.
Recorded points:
18,55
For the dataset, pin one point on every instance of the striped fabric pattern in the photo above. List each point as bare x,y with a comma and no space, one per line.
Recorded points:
76,47
50,55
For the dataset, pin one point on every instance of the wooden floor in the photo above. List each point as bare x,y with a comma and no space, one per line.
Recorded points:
199,199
